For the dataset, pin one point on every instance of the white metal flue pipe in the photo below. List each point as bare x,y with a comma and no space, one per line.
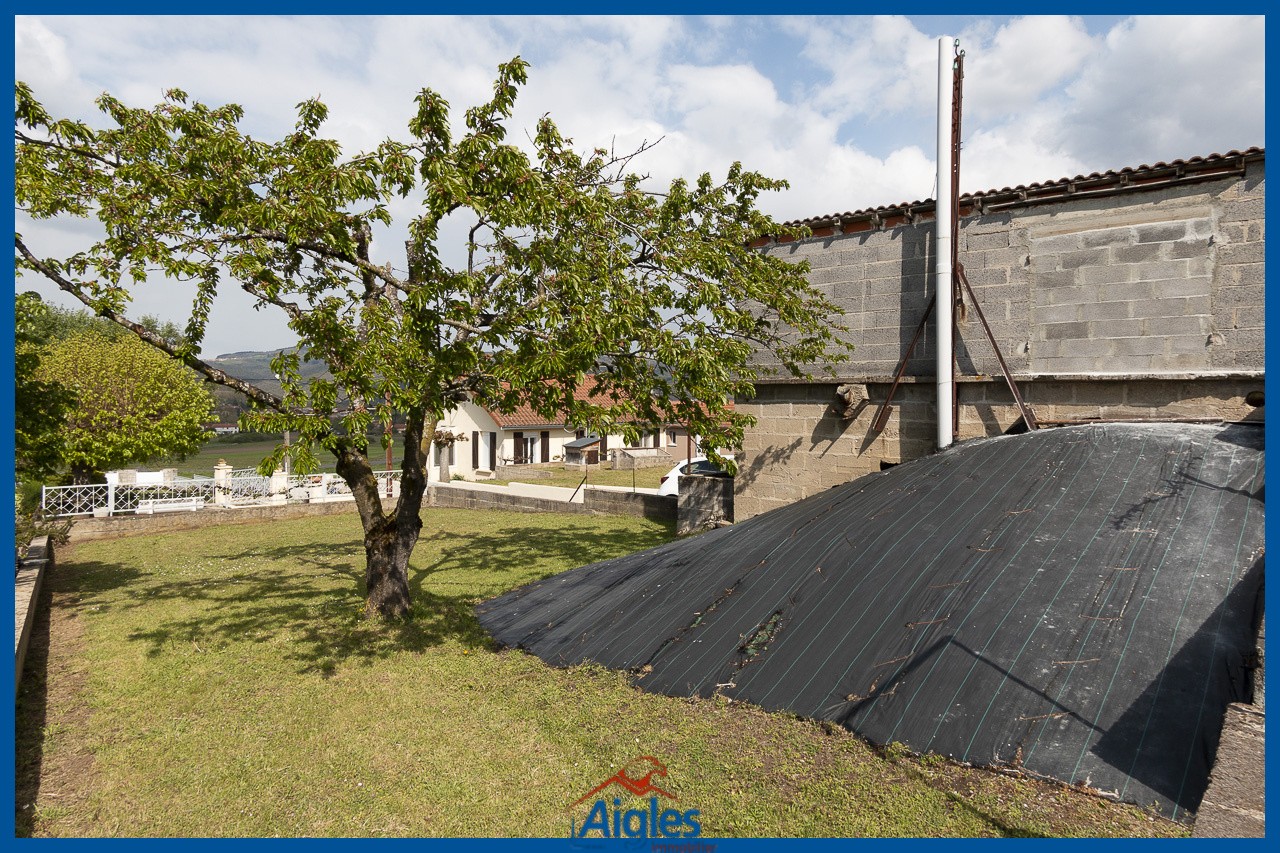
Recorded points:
942,245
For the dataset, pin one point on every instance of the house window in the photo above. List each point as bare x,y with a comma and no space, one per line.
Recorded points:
475,449
671,438
544,438
518,440
493,451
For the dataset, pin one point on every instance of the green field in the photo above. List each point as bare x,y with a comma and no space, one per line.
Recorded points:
238,455
223,682
248,455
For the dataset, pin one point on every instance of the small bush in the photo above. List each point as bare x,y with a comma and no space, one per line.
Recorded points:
29,525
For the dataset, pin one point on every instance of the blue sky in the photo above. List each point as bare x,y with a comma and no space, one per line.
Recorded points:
842,107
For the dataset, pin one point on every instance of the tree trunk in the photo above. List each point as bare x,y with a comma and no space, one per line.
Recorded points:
387,550
82,475
389,538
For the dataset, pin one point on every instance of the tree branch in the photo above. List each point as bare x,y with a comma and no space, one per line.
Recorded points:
214,375
22,138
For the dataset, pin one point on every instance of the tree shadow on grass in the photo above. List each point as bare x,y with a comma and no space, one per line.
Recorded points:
311,602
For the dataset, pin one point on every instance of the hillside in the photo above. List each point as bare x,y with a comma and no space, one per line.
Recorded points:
252,366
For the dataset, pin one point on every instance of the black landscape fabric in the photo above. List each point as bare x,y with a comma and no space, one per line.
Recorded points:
1080,602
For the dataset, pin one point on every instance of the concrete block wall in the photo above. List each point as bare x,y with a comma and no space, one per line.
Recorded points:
1129,304
1167,279
1132,298
705,500
801,445
879,283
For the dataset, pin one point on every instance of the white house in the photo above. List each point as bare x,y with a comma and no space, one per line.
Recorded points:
494,439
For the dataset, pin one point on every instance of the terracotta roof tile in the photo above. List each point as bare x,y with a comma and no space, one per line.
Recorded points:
525,416
1128,179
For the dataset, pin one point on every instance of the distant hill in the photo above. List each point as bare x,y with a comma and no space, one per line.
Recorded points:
253,366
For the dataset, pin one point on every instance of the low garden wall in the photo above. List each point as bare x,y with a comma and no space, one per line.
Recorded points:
629,458
591,501
116,526
26,597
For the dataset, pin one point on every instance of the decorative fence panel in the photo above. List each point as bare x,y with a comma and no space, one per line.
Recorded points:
127,497
85,500
246,486
243,487
76,500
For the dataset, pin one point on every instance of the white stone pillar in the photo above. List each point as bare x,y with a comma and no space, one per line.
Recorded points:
221,479
278,487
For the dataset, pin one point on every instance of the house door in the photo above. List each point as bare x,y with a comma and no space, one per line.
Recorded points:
493,451
520,456
544,438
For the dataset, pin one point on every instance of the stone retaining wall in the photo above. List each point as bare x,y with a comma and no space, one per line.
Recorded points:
137,525
1235,804
26,599
802,445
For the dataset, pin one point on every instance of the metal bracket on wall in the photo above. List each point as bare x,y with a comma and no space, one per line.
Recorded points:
882,414
886,408
1027,415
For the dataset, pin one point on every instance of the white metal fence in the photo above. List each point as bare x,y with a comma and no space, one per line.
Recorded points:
85,500
241,488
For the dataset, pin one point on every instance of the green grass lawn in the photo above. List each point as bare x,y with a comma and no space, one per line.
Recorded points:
222,682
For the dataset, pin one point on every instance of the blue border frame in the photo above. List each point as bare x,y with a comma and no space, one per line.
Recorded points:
499,7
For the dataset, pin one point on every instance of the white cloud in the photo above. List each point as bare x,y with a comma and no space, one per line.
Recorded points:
841,107
1009,156
880,65
40,53
1167,88
1007,73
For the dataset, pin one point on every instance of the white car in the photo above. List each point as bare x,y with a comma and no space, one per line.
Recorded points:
670,484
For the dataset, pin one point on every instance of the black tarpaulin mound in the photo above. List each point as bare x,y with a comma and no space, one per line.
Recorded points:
1077,602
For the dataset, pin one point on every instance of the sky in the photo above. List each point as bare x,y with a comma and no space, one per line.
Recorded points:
844,108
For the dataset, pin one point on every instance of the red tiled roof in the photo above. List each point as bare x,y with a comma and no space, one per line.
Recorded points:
525,416
1129,179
